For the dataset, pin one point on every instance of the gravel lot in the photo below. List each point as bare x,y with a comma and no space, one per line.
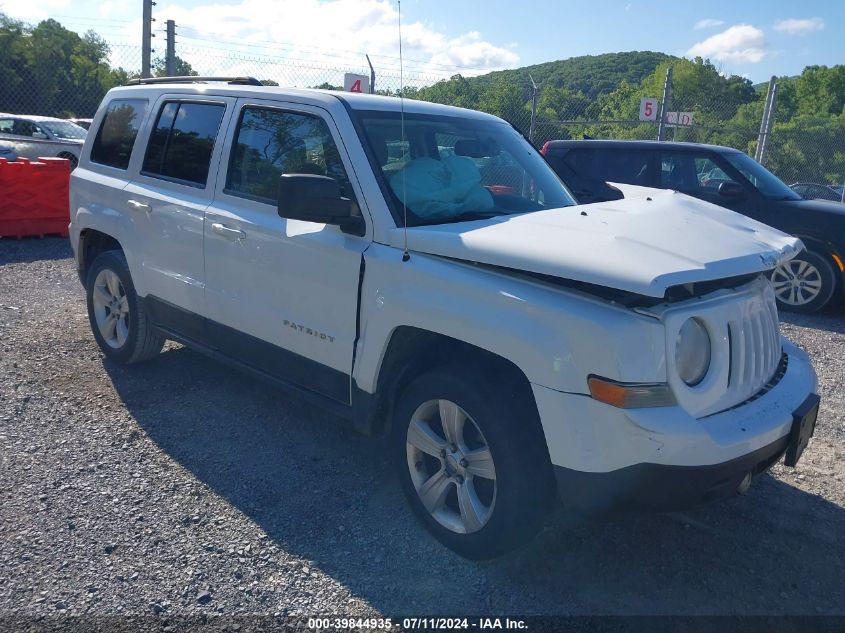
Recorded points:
180,487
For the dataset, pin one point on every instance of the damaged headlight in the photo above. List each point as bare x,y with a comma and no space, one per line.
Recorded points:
692,352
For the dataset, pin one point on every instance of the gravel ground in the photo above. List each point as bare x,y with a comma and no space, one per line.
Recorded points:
181,487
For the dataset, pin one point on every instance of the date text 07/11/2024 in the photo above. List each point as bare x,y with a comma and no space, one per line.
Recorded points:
422,623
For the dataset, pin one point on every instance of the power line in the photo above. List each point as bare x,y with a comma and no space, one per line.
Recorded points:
424,67
111,30
90,19
268,44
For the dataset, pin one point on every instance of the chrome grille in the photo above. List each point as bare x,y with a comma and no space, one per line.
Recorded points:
755,345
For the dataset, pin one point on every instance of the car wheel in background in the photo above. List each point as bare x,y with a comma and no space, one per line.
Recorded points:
74,161
805,283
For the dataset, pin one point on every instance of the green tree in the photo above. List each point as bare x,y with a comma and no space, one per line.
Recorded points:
181,68
562,103
504,98
457,91
820,91
51,70
15,74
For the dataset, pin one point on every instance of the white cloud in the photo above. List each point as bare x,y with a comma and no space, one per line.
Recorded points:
118,8
471,50
35,11
296,42
742,43
336,33
799,26
708,23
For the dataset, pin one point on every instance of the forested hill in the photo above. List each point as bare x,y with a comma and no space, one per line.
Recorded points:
591,75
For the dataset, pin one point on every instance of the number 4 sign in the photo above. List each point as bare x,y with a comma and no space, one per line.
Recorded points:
356,83
648,109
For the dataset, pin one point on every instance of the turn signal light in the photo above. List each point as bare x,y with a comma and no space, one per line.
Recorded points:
626,395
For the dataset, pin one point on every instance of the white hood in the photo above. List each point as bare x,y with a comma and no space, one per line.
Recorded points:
637,244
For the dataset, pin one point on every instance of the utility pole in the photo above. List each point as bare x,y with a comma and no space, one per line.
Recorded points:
372,76
533,108
170,55
767,121
665,104
146,37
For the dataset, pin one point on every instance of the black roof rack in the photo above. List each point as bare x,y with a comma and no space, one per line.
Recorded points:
235,81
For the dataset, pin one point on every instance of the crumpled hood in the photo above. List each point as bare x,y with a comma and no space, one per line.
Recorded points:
637,244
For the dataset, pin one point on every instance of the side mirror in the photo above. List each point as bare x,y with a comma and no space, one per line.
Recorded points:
316,199
39,135
732,191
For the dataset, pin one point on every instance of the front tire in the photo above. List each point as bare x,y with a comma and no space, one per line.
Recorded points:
804,284
119,323
472,461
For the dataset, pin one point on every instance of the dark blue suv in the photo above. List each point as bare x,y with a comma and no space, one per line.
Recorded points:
726,177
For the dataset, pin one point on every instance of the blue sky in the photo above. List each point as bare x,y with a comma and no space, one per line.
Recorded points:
752,38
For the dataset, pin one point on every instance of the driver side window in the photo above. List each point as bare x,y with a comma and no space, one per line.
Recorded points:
684,171
270,142
24,128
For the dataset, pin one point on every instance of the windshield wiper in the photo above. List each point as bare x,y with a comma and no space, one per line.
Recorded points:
478,215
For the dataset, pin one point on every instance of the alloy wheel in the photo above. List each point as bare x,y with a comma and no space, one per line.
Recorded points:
111,308
797,282
451,466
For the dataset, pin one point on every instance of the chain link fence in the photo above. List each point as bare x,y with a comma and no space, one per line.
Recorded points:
69,81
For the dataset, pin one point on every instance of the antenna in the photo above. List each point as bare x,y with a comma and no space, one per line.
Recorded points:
405,254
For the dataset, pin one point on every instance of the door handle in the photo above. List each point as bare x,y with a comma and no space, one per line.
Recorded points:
137,205
225,231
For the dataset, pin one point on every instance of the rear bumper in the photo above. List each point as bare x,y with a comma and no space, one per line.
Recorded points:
663,487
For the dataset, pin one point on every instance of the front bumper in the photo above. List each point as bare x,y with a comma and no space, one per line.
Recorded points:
664,457
662,487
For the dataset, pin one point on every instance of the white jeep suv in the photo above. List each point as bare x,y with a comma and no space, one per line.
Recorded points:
420,270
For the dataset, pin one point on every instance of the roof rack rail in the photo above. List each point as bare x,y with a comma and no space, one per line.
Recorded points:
236,81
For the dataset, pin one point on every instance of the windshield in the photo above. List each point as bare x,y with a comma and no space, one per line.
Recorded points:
453,169
65,130
763,180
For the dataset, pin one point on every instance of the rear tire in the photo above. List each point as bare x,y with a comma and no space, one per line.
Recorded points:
119,323
74,161
805,283
481,483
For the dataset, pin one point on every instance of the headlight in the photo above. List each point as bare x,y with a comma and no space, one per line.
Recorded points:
692,352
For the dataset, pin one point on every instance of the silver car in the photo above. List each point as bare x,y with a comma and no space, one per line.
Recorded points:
35,136
8,152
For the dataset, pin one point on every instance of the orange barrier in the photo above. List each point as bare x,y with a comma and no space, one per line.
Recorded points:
34,197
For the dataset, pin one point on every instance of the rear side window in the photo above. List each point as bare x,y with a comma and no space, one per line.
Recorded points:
579,169
625,166
182,141
116,136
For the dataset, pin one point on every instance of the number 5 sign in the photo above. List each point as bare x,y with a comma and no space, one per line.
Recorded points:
356,83
648,109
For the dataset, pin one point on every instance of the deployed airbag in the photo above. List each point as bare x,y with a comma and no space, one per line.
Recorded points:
433,188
